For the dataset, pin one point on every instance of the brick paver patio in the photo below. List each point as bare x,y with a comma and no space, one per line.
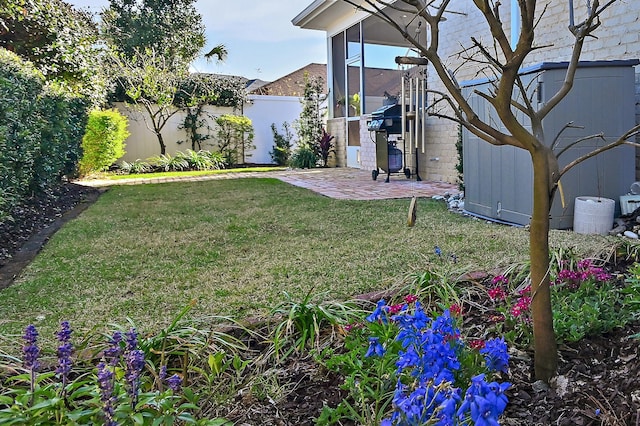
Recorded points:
341,183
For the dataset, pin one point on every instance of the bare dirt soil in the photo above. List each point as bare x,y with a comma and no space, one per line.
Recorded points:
598,381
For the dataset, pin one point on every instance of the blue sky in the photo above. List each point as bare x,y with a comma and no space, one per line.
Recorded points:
261,40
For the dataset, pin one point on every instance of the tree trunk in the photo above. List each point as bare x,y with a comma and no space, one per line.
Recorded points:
163,147
546,354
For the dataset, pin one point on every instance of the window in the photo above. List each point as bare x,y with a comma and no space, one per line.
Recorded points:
338,70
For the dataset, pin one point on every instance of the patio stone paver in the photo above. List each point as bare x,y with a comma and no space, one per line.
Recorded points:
340,183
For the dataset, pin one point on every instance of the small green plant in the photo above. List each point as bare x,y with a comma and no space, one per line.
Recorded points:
114,390
167,162
586,301
282,144
202,160
138,166
303,322
437,286
234,138
103,141
304,157
631,291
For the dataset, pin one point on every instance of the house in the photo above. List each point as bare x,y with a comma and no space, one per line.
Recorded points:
293,83
357,42
360,44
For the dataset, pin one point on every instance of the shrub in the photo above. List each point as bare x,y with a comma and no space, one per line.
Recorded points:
235,137
325,147
103,141
304,158
40,132
282,144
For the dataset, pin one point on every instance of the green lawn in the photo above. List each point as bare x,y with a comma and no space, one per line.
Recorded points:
144,251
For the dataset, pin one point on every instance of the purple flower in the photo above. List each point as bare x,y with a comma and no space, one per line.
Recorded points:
135,364
64,351
375,348
30,350
113,353
132,339
105,384
174,382
163,372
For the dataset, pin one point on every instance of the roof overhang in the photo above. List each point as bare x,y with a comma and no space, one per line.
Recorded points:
322,14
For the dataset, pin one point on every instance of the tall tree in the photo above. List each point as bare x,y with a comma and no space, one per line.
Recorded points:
172,27
58,39
509,98
151,44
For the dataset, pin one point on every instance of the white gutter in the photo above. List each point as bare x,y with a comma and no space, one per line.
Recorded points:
311,12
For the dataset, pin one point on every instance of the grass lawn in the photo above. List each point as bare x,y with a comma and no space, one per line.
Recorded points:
145,251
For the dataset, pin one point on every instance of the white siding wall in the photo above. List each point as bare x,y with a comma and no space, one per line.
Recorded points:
263,111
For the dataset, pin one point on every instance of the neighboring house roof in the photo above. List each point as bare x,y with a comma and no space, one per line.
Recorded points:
255,84
293,84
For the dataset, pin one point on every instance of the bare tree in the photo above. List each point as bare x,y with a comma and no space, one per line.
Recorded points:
507,98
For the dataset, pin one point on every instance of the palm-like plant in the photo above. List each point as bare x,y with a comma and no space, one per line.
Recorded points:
219,52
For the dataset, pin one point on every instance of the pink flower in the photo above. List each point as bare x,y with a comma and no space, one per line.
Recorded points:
497,293
521,306
410,298
500,280
394,309
477,344
455,310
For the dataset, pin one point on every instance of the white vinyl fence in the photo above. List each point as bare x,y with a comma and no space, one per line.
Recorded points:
261,110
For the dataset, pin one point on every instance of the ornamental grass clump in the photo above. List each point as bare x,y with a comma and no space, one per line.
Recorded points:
404,368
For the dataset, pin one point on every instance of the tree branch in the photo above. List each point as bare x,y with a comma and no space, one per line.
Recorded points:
620,141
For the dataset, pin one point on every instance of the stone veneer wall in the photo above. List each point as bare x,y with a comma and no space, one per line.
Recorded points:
618,38
337,127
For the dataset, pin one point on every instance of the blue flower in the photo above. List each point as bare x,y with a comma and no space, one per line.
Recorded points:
375,348
437,251
496,355
379,314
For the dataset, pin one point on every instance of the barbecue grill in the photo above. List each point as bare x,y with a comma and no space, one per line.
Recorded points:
384,122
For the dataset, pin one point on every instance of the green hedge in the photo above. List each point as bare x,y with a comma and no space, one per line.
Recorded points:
103,142
40,132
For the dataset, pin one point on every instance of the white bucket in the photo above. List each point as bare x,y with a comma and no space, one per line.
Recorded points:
593,215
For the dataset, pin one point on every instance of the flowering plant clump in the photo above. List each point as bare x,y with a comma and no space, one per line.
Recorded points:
113,392
585,301
423,370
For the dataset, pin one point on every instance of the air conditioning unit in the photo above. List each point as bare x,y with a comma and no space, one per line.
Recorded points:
629,203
